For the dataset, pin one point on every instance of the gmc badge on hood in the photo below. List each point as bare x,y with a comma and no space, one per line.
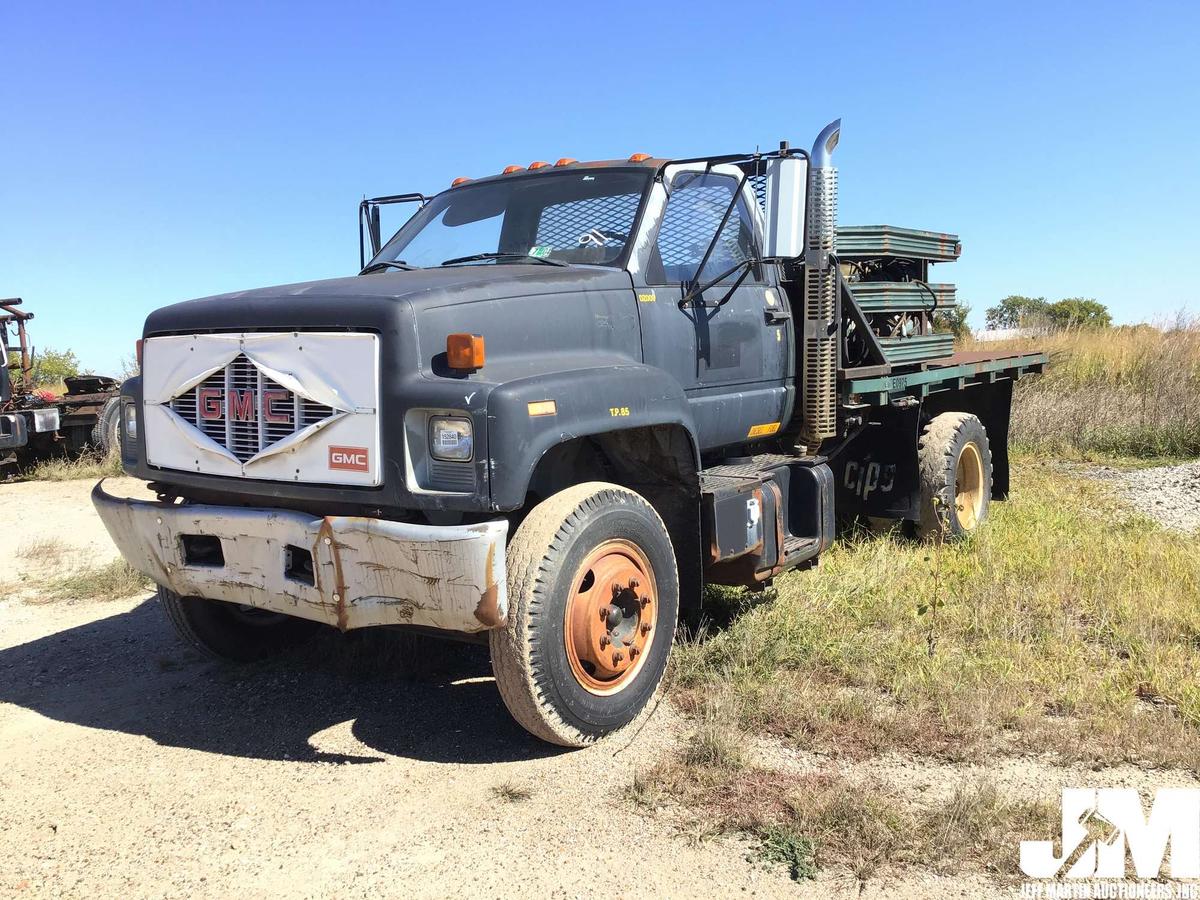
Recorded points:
354,459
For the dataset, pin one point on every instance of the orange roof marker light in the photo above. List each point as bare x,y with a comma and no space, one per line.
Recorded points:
508,170
566,161
464,351
639,157
539,165
461,179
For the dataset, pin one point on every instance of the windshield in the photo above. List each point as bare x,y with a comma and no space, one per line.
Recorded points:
583,216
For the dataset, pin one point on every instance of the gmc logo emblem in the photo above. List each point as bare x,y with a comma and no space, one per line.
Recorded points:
353,459
243,406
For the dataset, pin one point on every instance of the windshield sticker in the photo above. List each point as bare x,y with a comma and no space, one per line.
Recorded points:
540,252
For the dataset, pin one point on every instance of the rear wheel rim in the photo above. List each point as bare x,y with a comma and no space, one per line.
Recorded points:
968,487
610,617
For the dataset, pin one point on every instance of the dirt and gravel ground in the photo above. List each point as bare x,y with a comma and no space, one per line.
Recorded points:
1168,494
131,767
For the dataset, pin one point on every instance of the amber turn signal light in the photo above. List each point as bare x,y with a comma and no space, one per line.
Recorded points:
464,351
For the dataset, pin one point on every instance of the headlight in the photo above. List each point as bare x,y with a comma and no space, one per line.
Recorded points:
450,438
130,422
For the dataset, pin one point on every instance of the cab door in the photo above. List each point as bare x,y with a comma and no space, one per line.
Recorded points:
730,346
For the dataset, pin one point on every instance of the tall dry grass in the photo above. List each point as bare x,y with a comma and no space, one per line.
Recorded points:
1127,391
61,468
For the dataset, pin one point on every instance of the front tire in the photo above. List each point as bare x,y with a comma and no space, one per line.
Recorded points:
593,601
227,631
955,463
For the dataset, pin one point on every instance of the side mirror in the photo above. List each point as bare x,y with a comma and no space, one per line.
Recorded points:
787,183
373,230
368,221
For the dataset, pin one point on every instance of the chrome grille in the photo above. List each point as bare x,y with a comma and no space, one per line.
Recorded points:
241,425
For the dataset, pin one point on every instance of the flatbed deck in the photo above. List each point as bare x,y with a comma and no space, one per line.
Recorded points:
878,385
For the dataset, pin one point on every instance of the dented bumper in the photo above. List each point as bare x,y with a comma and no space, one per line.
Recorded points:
364,571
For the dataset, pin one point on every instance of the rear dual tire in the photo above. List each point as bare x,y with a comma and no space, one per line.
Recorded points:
106,433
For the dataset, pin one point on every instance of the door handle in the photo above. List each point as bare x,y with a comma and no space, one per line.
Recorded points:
776,316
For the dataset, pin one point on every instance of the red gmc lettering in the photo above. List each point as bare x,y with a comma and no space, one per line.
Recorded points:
210,403
269,398
241,406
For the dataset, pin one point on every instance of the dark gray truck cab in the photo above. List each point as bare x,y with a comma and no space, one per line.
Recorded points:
646,375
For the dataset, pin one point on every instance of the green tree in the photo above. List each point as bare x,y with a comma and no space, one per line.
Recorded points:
953,320
50,367
1078,312
129,367
1016,311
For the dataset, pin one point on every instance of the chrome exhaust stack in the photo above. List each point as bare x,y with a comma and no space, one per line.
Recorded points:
820,336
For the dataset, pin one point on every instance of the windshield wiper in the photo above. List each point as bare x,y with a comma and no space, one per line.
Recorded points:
389,264
523,257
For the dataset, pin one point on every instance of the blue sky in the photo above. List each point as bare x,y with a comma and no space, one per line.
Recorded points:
151,153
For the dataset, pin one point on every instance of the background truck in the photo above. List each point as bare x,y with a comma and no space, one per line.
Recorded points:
549,409
39,424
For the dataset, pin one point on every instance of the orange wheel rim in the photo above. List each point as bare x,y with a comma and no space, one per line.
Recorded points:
968,487
611,616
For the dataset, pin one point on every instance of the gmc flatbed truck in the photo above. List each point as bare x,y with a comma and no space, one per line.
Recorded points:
548,410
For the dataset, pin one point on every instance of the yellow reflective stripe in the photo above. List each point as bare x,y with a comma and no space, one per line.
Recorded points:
763,430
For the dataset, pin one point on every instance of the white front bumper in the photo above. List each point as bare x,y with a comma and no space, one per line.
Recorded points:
366,571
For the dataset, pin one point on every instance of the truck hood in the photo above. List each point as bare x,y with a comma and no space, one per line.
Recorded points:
360,300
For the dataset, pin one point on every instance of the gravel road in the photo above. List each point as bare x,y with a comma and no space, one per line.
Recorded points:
1168,494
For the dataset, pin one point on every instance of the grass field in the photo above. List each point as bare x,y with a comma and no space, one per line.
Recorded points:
1118,392
1067,622
1067,626
1066,629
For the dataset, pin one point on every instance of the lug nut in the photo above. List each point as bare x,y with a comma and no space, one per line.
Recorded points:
645,628
604,641
603,613
645,601
633,584
617,657
633,652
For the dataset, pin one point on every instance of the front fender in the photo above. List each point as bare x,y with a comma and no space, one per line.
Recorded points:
586,402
